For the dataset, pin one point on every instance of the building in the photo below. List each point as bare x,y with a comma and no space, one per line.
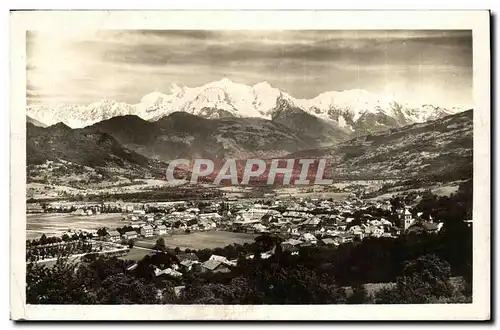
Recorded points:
425,226
207,224
186,256
113,236
130,234
167,272
214,266
405,219
210,216
291,245
328,241
309,238
139,212
160,230
311,223
253,214
190,265
147,231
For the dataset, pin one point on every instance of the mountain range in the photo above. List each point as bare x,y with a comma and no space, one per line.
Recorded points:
439,150
130,147
363,135
345,113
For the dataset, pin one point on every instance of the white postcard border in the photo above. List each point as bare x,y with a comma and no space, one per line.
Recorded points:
74,21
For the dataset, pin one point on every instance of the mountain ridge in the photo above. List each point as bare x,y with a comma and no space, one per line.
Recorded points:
183,135
436,150
440,150
224,98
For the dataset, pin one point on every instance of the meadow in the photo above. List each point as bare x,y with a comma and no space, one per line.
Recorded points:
55,224
199,240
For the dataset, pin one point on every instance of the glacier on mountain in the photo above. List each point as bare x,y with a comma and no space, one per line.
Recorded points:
239,100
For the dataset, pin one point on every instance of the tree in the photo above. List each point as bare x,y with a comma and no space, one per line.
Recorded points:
160,245
123,289
101,232
359,295
397,203
131,243
177,250
43,239
55,285
423,280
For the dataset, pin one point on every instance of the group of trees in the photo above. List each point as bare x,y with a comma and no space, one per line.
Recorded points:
62,249
44,240
103,281
317,275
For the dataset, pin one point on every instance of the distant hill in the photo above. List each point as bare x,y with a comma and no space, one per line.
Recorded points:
86,147
182,135
440,150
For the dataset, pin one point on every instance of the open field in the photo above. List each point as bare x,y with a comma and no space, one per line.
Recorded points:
55,224
299,193
439,190
199,240
136,254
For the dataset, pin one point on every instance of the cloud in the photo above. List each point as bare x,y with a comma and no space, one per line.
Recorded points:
126,64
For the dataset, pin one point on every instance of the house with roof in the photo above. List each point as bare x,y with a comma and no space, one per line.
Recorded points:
344,237
214,266
373,231
219,258
308,238
291,245
311,223
186,256
296,216
130,234
188,265
167,272
210,216
289,228
147,231
113,236
405,219
425,226
328,241
341,225
157,222
207,224
385,222
139,212
355,228
160,230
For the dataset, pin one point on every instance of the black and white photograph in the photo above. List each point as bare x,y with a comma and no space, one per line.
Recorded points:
237,166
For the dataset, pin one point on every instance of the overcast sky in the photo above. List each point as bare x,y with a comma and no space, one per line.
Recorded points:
417,66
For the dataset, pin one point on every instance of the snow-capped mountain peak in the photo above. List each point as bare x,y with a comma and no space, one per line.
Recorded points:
261,100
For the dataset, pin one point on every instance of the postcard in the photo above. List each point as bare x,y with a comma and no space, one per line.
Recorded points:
250,165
